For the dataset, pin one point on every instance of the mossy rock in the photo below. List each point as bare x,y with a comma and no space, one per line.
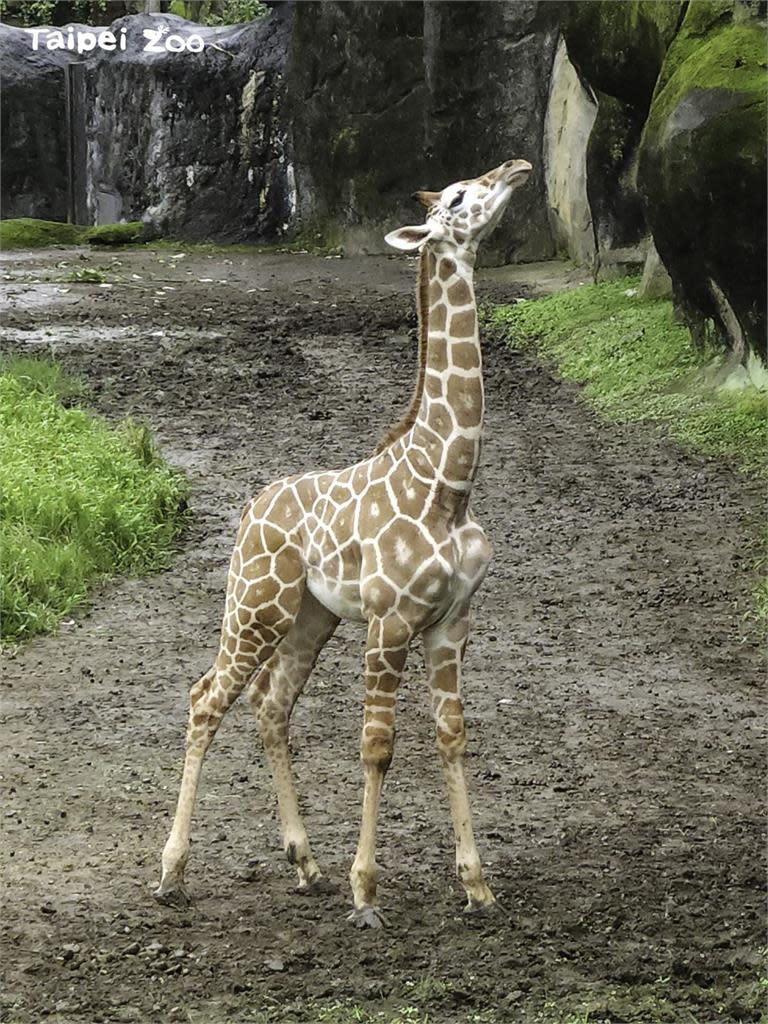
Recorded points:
28,233
702,171
619,46
116,234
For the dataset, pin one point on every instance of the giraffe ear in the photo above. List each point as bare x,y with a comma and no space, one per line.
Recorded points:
409,239
427,199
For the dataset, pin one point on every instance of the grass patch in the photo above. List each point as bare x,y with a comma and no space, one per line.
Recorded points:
28,233
637,363
79,499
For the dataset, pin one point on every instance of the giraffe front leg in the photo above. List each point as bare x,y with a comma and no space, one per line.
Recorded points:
384,662
209,699
246,643
443,651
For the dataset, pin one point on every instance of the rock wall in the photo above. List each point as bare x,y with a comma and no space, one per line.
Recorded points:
320,120
356,106
407,95
192,141
206,155
32,128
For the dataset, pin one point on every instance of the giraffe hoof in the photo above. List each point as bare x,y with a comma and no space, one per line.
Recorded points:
481,907
319,887
366,917
178,897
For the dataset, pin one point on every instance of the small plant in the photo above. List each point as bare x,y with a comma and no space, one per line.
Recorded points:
219,12
86,275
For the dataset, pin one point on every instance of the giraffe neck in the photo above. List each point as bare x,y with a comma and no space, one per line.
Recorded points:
408,418
444,445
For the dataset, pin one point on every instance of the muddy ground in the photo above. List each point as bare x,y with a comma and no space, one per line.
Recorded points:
612,692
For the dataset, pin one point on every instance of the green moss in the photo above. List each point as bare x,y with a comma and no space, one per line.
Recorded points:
28,233
115,234
709,53
637,363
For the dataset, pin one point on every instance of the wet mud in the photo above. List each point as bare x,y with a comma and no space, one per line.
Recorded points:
612,693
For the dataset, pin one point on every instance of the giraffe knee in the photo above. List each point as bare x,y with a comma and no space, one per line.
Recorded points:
201,687
203,722
377,747
208,702
451,736
272,718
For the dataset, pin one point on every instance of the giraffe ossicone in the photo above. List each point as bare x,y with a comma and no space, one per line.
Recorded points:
389,541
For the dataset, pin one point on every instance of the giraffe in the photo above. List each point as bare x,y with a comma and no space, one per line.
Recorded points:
390,542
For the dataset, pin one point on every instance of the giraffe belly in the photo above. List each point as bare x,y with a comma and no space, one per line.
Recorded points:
343,599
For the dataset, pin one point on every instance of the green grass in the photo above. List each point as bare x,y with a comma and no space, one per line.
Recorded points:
636,362
79,500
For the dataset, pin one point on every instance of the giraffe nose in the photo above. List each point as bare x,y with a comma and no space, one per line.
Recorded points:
514,169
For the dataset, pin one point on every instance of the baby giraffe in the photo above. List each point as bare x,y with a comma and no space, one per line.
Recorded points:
389,542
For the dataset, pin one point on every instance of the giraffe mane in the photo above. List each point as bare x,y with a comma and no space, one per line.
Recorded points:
407,420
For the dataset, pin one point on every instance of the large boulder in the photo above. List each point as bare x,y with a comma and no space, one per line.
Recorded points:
571,112
703,171
617,47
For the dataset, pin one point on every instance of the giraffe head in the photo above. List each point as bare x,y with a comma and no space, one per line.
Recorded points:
463,214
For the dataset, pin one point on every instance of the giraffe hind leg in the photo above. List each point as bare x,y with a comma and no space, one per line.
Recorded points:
273,695
444,646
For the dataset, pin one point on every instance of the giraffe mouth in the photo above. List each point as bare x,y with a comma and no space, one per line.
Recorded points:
513,171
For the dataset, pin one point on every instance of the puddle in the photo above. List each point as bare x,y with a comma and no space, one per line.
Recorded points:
84,336
37,296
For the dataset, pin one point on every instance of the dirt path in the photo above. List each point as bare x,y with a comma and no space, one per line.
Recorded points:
612,693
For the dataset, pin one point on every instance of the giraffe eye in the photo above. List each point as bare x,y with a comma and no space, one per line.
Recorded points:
456,201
